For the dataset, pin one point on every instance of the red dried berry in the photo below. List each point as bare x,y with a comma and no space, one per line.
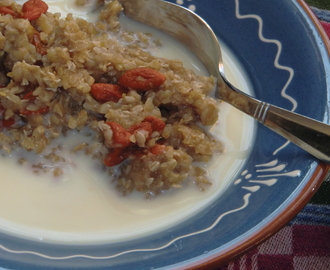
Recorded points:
33,9
115,156
141,126
120,136
7,10
142,79
156,123
157,149
8,122
27,112
103,92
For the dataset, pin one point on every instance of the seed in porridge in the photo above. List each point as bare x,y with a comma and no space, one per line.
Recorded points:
142,79
38,166
54,157
58,172
80,147
22,161
40,47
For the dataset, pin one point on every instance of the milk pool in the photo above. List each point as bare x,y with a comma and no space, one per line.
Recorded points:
83,207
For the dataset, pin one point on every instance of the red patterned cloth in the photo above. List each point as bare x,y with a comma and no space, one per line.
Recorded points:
295,247
304,244
326,27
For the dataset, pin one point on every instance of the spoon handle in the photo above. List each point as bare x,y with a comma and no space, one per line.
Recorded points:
311,135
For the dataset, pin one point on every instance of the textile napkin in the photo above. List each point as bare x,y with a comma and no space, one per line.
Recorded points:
304,244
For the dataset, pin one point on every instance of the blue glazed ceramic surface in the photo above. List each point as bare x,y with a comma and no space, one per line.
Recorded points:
284,56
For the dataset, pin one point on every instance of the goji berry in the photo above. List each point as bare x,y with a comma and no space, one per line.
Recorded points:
104,92
115,156
36,41
146,126
7,10
120,136
27,112
32,9
8,122
157,149
29,96
142,79
156,123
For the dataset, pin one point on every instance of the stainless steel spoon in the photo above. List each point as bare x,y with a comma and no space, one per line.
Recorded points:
184,25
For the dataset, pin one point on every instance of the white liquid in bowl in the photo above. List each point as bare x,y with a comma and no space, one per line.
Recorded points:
82,206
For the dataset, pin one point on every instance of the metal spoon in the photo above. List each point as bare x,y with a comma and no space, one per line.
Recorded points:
184,25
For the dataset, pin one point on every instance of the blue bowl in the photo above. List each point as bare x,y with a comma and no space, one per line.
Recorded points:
285,55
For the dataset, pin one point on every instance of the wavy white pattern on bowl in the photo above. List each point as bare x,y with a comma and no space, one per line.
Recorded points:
266,174
273,165
276,62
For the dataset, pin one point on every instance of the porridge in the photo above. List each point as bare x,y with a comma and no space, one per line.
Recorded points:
149,116
81,204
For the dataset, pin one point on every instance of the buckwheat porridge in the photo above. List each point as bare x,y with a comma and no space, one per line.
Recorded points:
147,121
64,74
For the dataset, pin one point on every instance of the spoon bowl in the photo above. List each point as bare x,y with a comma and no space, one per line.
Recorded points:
187,27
